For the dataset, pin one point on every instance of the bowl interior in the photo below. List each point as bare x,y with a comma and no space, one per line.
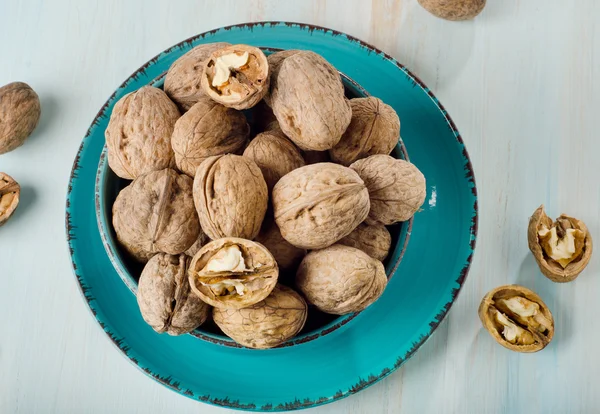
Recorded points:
108,186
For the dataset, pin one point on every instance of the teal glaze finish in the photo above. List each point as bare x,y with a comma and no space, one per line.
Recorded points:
378,340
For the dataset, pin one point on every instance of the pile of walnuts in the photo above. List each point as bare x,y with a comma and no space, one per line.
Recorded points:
231,219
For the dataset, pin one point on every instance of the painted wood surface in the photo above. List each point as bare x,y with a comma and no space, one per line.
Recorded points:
521,83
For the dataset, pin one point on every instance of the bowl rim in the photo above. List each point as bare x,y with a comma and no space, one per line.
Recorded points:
108,240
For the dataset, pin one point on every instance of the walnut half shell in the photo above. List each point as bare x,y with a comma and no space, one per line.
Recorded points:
232,273
517,318
9,197
562,249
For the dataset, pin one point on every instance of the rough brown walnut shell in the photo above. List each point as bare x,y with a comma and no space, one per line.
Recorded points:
236,76
396,188
341,279
275,60
286,255
138,136
155,213
266,324
200,241
207,129
275,155
318,204
9,197
231,197
165,298
453,9
183,80
562,249
373,239
374,129
19,115
517,318
233,273
307,97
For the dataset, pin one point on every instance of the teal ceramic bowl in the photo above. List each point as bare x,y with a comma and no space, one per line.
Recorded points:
338,362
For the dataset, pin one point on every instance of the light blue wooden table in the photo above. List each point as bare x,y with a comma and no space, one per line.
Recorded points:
522,82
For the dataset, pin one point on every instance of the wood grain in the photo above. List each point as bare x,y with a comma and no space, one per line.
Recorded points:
522,84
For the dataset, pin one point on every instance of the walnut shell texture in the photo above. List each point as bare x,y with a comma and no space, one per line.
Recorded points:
207,129
155,213
549,267
286,255
535,336
275,60
396,188
165,298
183,80
275,155
317,205
138,136
9,197
307,97
453,9
246,85
341,279
200,241
19,115
373,239
374,129
231,197
266,324
233,273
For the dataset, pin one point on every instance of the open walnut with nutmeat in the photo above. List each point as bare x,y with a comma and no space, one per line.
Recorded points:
300,182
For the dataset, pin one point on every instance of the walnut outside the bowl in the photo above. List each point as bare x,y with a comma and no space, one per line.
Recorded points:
9,197
233,273
155,213
562,249
517,318
165,299
19,115
236,76
266,324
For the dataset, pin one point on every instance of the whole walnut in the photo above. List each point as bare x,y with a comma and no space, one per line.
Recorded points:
155,213
319,204
373,239
275,155
341,279
138,136
453,9
266,324
307,97
396,188
207,129
233,273
9,197
236,76
19,115
165,298
374,129
231,196
286,255
275,60
183,80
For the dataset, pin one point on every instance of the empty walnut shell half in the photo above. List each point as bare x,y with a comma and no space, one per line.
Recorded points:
138,135
373,239
9,197
155,213
207,129
374,129
236,76
231,197
183,82
165,299
396,188
517,318
562,249
341,279
232,273
266,324
318,204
